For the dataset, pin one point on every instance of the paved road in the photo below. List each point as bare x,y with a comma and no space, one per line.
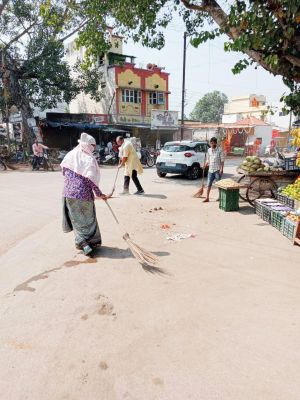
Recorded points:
220,322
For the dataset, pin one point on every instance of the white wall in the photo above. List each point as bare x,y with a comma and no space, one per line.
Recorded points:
229,118
204,134
265,133
278,119
84,104
61,108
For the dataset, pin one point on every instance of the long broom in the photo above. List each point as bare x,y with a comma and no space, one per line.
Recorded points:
199,193
114,185
143,256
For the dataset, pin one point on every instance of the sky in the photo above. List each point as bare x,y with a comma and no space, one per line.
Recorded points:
208,68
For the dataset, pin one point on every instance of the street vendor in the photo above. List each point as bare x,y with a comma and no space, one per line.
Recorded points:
215,164
130,160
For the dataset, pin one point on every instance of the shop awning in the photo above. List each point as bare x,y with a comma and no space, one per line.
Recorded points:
85,126
79,125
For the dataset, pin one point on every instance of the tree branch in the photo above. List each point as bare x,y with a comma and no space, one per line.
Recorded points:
16,38
75,30
221,18
190,6
63,17
293,60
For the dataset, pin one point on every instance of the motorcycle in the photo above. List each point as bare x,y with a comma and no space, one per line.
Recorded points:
147,158
42,162
111,159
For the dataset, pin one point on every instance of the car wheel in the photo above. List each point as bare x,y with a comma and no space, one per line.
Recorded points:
161,174
193,172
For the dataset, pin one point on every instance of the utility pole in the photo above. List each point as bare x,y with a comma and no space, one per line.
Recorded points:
183,87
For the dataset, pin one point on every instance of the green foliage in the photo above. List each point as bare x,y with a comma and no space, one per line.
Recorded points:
32,33
210,107
267,32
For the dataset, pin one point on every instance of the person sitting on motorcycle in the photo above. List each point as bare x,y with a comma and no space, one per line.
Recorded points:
38,154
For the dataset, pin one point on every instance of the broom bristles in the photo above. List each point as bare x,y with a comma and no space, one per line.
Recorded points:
199,193
142,255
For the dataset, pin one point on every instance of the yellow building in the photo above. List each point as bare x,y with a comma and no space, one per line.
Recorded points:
129,93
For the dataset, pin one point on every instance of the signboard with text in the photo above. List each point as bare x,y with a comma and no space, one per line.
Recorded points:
15,118
161,119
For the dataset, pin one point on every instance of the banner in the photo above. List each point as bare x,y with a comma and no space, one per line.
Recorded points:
161,119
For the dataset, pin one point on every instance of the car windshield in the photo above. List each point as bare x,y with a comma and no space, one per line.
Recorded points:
176,148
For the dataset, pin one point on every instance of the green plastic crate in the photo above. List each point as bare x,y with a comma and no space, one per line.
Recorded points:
289,228
229,199
277,220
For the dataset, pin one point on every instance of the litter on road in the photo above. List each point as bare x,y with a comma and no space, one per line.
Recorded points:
176,237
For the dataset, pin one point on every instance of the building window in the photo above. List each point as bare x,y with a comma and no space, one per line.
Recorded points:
157,98
131,96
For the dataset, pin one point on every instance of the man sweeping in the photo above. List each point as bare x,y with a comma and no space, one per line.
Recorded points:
215,162
130,160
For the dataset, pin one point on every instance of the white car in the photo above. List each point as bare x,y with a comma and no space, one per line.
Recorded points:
185,157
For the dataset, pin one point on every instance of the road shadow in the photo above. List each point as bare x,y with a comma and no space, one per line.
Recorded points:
246,210
111,252
263,224
151,269
161,253
116,253
156,196
183,181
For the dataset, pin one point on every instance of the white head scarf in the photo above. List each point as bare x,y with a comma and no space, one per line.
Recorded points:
81,159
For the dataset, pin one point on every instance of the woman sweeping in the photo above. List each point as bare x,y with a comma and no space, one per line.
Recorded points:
82,175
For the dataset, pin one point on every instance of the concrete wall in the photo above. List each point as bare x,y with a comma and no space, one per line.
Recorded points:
242,107
265,133
204,134
279,119
84,104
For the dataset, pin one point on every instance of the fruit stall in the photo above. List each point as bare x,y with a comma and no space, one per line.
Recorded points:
263,178
283,213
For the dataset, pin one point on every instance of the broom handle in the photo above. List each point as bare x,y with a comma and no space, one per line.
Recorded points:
112,212
114,185
203,170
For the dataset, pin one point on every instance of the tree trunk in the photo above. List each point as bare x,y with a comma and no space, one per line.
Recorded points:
19,98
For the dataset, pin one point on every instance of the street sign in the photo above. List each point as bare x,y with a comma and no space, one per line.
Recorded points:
15,118
162,119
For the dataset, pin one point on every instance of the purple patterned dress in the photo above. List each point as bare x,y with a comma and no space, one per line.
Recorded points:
79,212
79,187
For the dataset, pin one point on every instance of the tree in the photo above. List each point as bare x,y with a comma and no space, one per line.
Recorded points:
210,107
33,70
33,32
267,32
